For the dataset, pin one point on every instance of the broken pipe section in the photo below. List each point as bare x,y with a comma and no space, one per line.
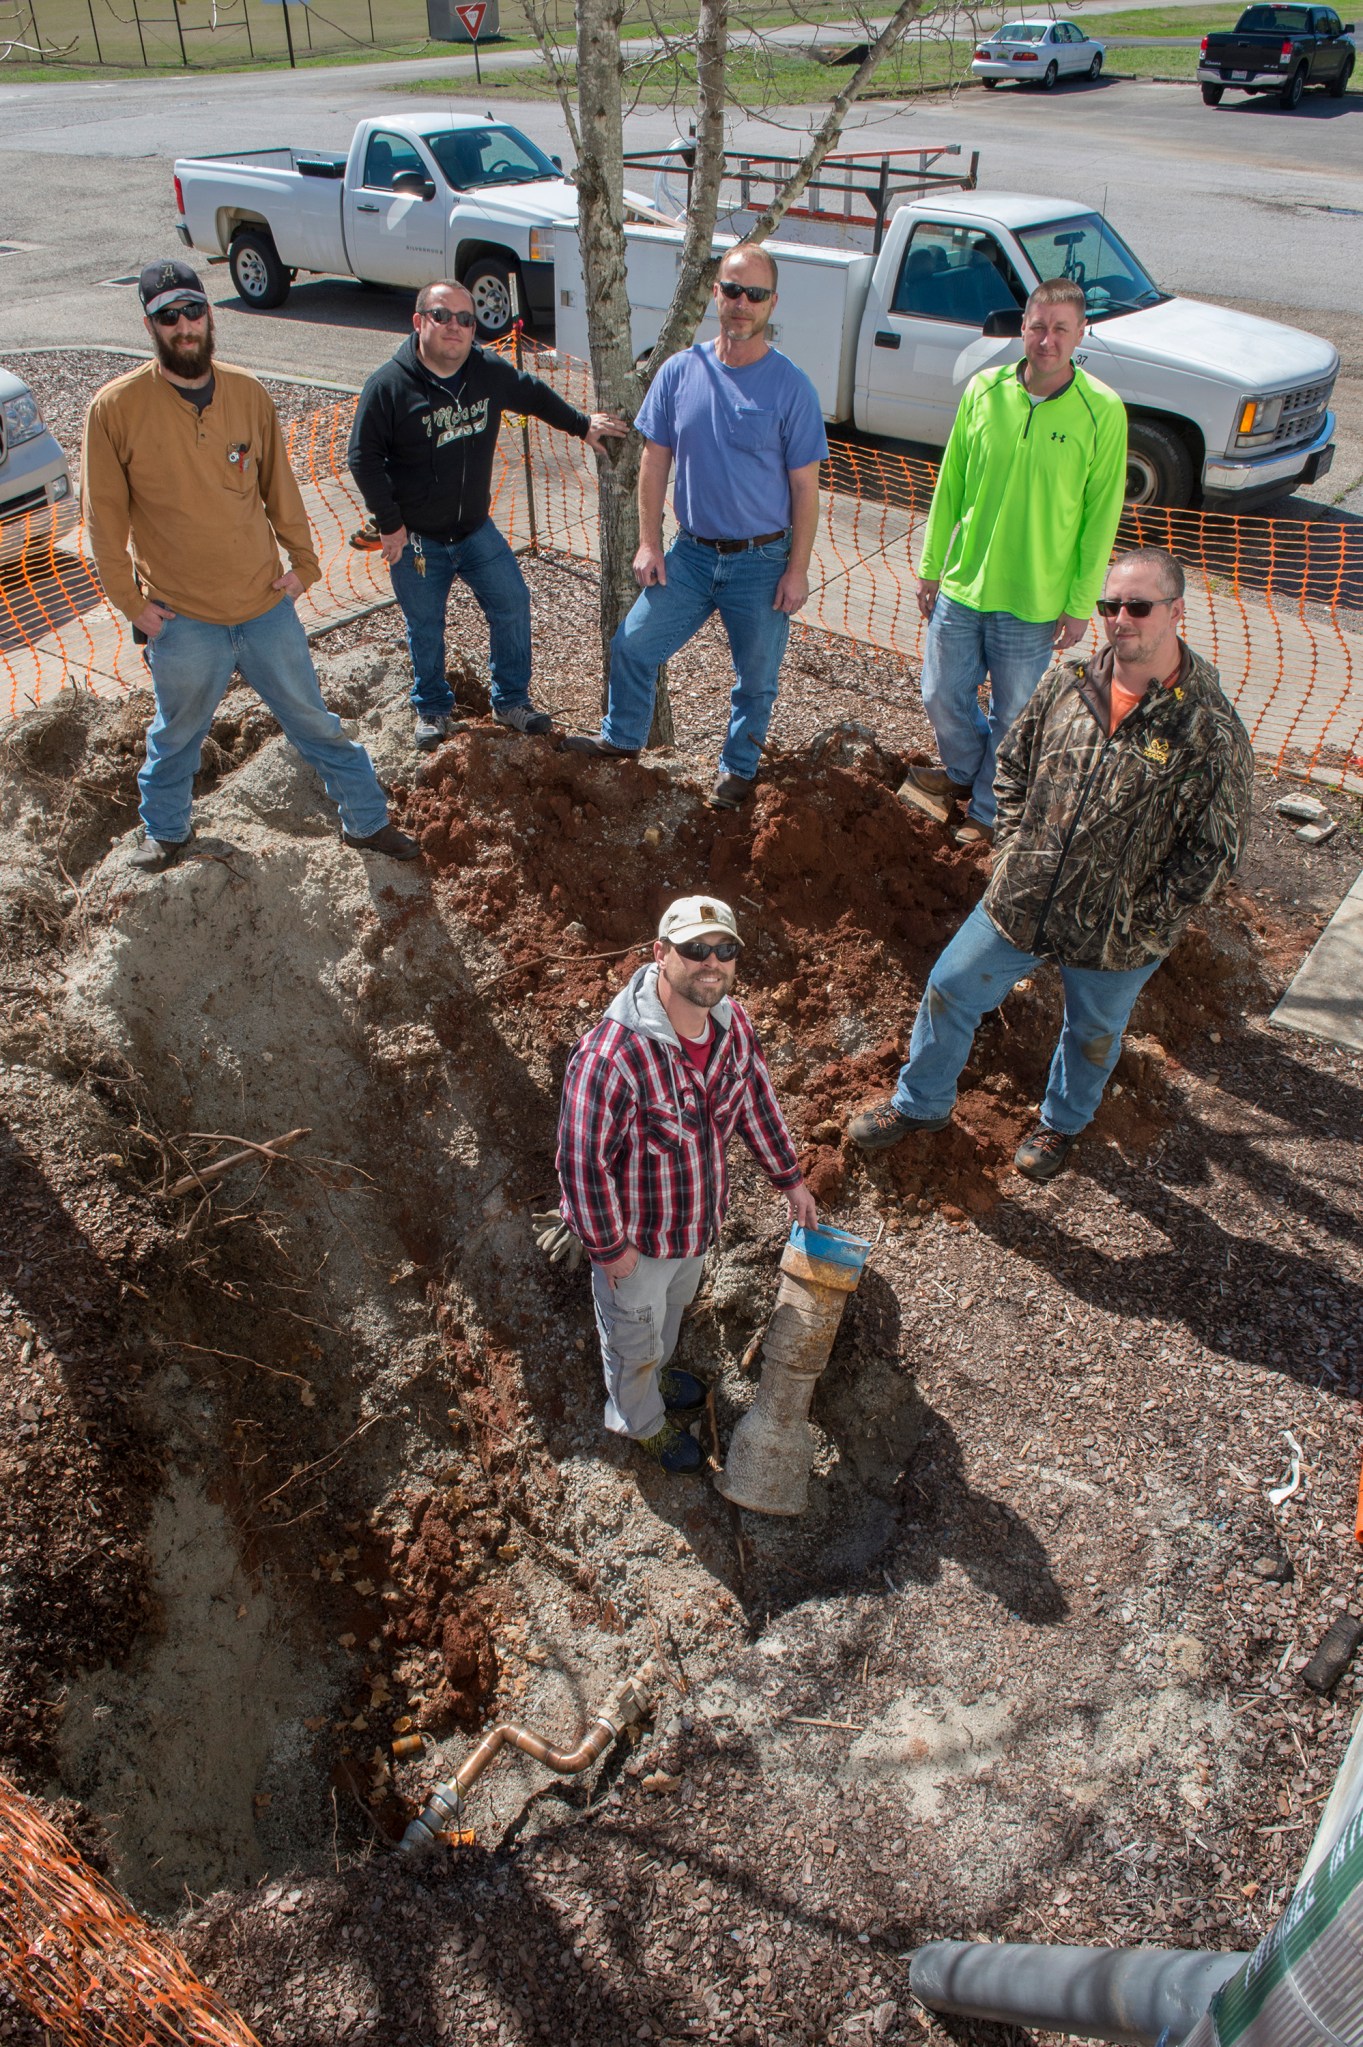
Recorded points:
772,1449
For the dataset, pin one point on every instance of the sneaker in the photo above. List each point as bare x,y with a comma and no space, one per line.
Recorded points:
973,833
932,790
880,1126
522,718
683,1392
673,1448
396,844
429,732
1042,1155
731,792
597,749
154,856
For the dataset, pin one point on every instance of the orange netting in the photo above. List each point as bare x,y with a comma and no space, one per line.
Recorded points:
1277,604
76,1955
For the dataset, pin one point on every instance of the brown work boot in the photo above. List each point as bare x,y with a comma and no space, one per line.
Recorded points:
973,833
932,790
880,1126
1043,1154
388,839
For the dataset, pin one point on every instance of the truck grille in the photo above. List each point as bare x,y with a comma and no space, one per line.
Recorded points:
29,501
1303,414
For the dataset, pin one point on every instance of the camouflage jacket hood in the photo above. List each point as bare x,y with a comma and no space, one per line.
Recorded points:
1105,845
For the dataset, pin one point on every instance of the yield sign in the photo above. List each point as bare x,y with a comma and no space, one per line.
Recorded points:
472,15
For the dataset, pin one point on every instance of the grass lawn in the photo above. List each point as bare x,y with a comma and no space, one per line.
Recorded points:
1161,21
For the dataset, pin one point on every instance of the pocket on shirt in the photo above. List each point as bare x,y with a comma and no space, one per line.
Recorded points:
662,1132
239,475
753,430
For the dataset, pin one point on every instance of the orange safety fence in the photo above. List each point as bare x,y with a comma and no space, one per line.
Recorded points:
1277,604
80,1960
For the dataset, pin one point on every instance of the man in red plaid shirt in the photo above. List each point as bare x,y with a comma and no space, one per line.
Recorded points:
651,1098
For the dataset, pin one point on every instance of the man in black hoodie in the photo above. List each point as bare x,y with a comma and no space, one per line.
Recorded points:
421,451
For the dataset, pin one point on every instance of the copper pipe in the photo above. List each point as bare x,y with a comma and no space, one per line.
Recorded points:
443,1810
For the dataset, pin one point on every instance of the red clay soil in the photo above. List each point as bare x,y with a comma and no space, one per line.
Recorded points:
846,896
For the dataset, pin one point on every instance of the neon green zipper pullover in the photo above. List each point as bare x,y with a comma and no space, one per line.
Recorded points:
1027,502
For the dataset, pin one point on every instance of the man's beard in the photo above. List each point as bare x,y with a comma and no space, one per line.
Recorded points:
192,363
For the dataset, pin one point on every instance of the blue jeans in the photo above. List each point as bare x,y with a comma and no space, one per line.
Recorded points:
191,666
422,577
973,975
742,589
962,647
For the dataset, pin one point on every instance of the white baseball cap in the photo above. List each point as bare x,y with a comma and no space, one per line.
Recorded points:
696,917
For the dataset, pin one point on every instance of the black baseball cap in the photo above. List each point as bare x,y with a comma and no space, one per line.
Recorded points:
169,283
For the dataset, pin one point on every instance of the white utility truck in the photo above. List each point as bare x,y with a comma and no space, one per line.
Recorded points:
1220,404
418,196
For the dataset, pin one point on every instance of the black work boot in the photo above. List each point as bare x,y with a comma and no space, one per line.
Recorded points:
880,1126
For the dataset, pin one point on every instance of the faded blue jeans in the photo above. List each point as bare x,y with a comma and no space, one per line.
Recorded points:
973,975
742,589
192,664
485,562
962,647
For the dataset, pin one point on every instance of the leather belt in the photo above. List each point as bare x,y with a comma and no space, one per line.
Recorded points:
738,546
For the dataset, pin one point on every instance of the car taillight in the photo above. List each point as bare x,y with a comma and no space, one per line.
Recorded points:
984,55
1025,57
1286,51
179,196
1204,46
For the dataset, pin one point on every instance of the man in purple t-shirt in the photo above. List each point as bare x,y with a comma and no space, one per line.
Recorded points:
744,427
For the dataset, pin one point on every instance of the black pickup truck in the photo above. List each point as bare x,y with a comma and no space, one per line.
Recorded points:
1281,50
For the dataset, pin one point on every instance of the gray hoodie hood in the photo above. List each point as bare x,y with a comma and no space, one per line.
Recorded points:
638,1008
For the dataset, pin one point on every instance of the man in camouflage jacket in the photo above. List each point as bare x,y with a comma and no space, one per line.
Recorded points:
1123,800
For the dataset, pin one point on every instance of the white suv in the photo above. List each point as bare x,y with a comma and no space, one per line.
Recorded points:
37,502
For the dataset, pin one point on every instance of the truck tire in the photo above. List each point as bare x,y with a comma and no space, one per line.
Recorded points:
1159,469
1339,86
1211,95
1290,96
1051,74
488,283
257,272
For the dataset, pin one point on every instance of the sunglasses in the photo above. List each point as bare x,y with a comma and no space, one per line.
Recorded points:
1139,607
171,316
697,951
442,317
755,294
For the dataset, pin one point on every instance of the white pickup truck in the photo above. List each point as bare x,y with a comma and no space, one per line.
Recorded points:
418,196
1220,404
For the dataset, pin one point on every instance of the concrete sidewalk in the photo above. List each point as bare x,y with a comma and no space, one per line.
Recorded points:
1326,998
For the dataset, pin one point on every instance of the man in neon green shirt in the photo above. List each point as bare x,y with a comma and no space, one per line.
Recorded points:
1015,549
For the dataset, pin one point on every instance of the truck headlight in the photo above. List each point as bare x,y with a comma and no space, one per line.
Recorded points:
23,421
1257,417
541,245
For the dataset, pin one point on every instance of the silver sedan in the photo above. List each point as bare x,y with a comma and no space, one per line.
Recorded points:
1037,53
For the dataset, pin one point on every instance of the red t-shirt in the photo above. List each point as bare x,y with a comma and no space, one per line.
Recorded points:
698,1050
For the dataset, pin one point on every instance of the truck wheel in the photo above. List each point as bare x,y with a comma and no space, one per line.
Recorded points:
1340,85
1290,96
257,272
1052,73
1211,95
488,283
1159,470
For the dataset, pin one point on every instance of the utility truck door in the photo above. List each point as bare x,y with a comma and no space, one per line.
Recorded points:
920,350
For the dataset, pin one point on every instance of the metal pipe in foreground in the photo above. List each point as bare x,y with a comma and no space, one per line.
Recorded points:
1128,1995
443,1810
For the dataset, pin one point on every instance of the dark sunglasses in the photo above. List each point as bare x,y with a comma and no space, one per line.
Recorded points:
697,951
171,316
1139,607
442,317
755,294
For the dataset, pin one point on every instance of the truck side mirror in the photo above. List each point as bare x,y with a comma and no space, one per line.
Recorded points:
414,185
557,162
1005,324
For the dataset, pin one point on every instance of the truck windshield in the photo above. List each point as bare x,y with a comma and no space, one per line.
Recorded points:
470,157
1275,18
1088,253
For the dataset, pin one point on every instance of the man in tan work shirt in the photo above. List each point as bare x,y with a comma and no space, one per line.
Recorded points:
184,461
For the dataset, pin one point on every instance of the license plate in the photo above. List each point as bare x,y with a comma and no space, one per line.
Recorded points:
1239,74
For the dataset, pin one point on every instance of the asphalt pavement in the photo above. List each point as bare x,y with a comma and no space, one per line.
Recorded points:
1241,203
